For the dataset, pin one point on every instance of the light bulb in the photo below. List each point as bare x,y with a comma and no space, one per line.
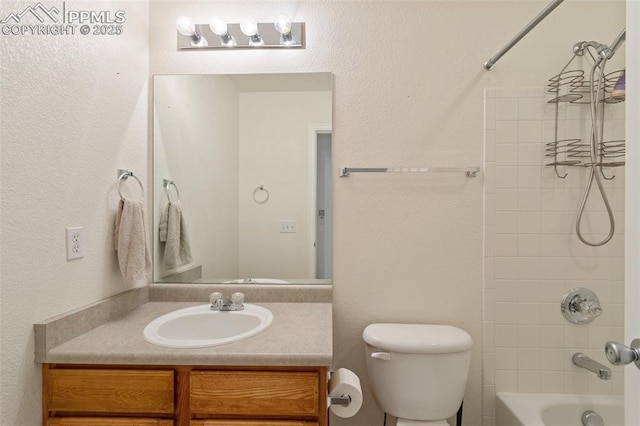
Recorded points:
186,27
218,27
249,27
283,24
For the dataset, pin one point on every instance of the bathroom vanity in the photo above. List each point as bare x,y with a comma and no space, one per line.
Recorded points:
183,395
109,375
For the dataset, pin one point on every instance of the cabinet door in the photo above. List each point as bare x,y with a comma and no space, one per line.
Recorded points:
255,394
252,423
107,421
110,391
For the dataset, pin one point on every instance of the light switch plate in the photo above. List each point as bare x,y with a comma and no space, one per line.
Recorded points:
287,226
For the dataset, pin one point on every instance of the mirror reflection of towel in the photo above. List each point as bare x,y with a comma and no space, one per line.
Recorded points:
177,251
164,217
130,240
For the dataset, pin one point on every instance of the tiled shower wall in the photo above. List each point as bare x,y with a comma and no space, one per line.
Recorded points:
533,256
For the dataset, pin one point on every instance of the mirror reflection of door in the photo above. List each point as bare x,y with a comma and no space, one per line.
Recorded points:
324,219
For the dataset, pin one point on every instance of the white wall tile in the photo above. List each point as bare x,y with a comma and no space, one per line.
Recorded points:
506,358
529,245
506,199
506,222
539,257
529,177
552,359
530,131
506,177
506,109
506,335
528,381
529,359
529,199
551,381
530,108
506,132
507,154
506,381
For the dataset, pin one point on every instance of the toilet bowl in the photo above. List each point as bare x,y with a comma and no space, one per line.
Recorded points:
418,372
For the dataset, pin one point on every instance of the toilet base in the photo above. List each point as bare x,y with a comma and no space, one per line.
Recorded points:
407,422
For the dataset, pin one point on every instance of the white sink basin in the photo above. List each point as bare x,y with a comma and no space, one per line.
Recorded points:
201,327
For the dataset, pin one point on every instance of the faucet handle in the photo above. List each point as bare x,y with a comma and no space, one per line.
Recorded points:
237,298
215,297
590,307
580,306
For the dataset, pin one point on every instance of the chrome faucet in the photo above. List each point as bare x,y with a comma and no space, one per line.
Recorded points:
583,361
220,303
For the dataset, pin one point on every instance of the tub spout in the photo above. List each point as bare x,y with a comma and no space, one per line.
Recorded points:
583,361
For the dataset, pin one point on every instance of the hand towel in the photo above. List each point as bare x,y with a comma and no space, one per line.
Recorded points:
177,251
130,240
164,217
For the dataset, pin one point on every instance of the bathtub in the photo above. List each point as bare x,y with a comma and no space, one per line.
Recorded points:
531,409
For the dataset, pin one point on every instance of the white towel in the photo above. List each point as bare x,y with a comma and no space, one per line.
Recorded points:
177,251
130,240
164,218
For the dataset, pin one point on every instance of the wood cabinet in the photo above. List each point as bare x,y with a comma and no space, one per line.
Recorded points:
184,395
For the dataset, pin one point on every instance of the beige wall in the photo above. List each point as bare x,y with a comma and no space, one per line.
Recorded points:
408,92
73,111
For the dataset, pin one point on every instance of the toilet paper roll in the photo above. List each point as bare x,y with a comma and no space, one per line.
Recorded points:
345,382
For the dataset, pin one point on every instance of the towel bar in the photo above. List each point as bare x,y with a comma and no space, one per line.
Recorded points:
470,171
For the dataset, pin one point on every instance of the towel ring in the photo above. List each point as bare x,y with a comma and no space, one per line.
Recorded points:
260,199
167,183
124,176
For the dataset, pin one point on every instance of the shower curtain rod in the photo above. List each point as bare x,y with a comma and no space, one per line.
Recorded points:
535,21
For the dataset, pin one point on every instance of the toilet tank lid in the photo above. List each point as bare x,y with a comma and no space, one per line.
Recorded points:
417,338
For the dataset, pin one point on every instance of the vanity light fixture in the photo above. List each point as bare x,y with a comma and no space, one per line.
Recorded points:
279,34
187,28
221,29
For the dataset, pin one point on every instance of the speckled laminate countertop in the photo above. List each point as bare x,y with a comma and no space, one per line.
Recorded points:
300,335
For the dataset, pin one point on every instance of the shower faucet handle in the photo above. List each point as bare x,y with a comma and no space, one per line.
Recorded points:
580,306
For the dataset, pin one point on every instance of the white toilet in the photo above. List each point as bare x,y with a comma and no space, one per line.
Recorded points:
418,372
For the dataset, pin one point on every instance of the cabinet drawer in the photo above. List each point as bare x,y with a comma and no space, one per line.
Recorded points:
255,394
107,421
252,423
110,391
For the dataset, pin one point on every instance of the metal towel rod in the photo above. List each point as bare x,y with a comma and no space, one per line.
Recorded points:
470,171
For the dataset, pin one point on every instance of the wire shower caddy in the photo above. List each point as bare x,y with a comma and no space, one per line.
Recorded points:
571,86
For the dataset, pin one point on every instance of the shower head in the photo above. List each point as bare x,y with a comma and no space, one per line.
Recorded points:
618,41
602,50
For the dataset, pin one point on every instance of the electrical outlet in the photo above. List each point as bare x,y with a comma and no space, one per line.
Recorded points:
287,226
75,243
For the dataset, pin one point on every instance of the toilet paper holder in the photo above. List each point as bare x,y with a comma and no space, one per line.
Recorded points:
343,400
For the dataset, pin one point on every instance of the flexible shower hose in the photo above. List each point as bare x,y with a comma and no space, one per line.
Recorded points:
594,101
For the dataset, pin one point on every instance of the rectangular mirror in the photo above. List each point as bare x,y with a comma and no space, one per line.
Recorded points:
242,178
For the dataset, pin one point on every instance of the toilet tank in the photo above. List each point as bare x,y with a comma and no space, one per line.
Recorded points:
418,371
